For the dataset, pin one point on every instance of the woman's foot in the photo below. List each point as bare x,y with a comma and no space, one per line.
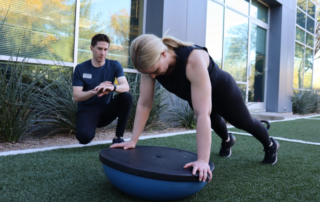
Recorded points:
271,152
225,149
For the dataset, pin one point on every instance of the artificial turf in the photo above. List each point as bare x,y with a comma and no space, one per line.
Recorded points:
301,129
77,174
317,117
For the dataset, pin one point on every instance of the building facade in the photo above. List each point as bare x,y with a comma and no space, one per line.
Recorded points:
268,46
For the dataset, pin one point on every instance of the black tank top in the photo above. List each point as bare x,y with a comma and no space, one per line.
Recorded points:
177,82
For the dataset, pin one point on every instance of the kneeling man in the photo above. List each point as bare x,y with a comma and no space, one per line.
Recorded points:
93,87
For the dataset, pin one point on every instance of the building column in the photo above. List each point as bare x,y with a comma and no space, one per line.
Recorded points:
281,56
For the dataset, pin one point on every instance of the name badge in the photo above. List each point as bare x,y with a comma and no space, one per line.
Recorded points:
87,76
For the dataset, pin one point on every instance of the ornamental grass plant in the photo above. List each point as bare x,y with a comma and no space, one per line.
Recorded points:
18,110
56,105
159,107
304,102
181,114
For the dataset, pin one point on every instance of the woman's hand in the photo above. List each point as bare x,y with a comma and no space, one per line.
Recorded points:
125,145
202,167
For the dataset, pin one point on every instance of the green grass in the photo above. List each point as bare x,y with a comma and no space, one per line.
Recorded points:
77,174
301,129
317,117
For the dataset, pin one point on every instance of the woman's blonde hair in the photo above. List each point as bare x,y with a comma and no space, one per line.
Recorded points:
146,49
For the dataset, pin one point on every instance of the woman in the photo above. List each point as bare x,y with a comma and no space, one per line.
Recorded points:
190,73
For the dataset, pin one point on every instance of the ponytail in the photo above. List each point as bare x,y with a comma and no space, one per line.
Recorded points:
173,42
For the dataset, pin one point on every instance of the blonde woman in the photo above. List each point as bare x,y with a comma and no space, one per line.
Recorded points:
188,71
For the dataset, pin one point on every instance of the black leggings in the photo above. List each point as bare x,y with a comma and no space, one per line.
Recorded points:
227,102
89,119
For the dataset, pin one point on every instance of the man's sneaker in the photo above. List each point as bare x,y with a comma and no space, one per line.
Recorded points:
225,149
117,140
271,153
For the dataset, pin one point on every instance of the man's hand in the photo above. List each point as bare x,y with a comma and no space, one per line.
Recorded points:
104,88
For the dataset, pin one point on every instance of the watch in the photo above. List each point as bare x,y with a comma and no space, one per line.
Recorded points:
115,88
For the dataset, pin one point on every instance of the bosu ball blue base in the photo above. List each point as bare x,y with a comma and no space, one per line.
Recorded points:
152,173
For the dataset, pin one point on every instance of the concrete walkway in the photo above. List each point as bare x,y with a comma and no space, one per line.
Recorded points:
277,116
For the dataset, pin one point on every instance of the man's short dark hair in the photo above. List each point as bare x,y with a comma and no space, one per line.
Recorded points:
99,37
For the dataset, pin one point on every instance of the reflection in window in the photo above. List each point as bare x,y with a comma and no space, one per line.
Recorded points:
236,45
30,71
311,9
214,34
121,21
302,4
307,81
310,25
300,35
316,71
38,29
298,67
259,11
301,19
309,40
243,89
257,63
241,5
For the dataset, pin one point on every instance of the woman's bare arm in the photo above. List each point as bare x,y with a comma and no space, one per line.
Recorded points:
197,74
144,107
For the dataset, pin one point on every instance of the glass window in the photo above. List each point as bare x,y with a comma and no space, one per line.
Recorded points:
316,71
309,40
307,81
301,19
257,63
298,67
311,9
214,35
121,21
38,29
241,5
310,25
302,4
300,35
30,71
259,11
243,89
236,45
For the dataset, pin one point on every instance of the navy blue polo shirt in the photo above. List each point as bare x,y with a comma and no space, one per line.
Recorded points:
89,77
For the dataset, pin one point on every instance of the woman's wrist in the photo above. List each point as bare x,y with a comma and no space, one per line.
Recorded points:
202,160
134,140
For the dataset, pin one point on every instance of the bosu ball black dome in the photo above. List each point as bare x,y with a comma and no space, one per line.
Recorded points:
153,173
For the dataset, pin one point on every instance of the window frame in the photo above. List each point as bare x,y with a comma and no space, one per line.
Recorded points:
305,44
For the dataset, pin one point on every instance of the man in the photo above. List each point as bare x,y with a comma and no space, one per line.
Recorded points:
93,86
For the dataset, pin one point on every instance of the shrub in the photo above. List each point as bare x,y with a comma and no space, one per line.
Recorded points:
159,106
181,114
316,95
304,102
17,109
57,106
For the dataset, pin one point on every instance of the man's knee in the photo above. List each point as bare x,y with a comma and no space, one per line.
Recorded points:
83,137
126,96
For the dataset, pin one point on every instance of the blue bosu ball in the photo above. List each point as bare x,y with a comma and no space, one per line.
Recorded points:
152,173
